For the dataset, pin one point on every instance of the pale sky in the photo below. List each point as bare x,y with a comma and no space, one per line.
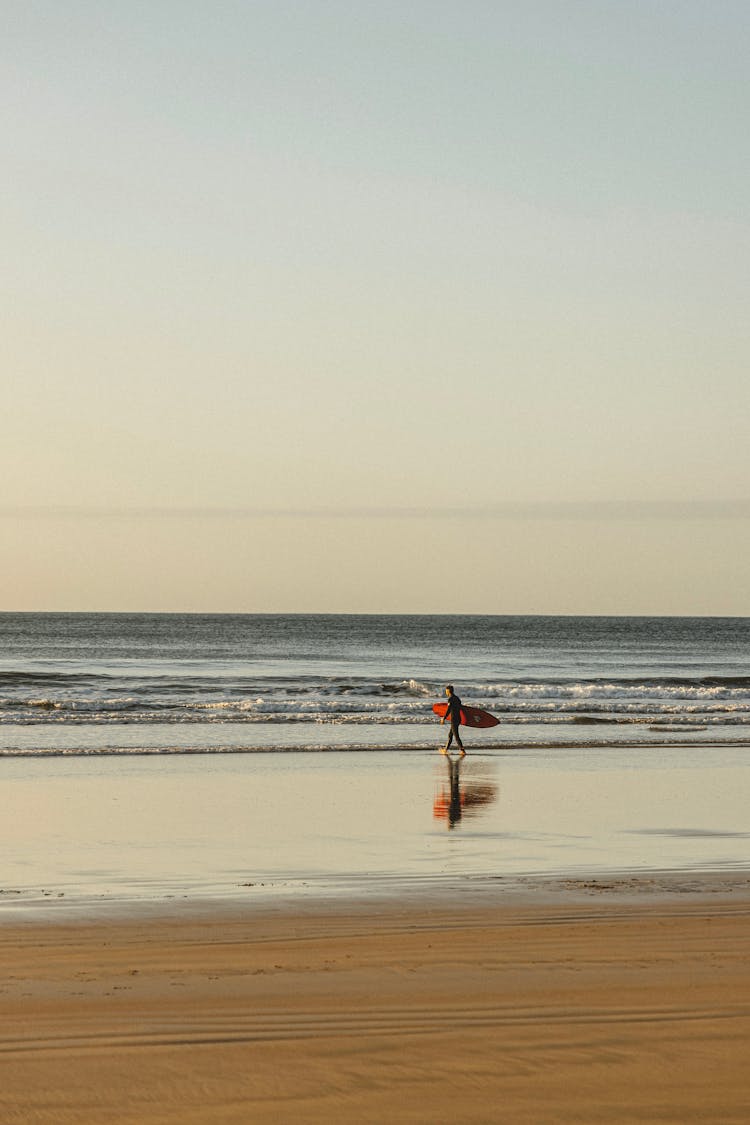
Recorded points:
350,306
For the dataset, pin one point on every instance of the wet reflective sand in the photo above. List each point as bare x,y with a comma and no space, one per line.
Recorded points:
307,824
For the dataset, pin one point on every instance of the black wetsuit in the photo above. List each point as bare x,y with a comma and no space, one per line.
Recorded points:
453,714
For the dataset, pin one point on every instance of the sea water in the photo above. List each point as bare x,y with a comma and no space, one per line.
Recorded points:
238,757
158,683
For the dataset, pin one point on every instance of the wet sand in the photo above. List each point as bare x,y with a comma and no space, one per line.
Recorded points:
586,1000
249,826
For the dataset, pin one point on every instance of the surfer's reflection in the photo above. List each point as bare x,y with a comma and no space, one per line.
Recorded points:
456,800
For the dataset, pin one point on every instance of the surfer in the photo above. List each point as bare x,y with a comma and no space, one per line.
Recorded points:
454,714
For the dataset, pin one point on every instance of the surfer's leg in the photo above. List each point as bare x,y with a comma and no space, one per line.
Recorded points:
456,733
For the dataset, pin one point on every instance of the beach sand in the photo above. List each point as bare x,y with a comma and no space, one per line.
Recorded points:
592,1001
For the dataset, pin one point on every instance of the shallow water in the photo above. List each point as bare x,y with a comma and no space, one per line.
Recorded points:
258,826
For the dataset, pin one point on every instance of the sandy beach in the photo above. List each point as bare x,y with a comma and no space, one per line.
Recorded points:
587,1001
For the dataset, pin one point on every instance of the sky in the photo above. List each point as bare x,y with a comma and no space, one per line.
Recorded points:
334,306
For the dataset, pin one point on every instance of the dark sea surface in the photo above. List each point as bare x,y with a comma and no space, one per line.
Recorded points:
171,683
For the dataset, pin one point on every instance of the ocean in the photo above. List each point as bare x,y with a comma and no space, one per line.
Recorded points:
87,683
148,757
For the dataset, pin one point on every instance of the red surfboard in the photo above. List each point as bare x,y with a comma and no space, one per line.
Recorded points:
470,716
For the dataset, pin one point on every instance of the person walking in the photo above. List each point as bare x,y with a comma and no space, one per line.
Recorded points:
454,715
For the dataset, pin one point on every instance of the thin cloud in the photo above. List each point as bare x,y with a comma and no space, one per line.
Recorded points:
614,511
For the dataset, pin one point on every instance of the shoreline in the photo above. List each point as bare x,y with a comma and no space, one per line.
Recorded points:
617,887
648,738
598,1000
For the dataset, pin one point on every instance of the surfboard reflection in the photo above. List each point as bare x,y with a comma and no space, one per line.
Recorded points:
457,797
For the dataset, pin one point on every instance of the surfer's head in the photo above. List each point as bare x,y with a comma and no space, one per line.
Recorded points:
449,689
